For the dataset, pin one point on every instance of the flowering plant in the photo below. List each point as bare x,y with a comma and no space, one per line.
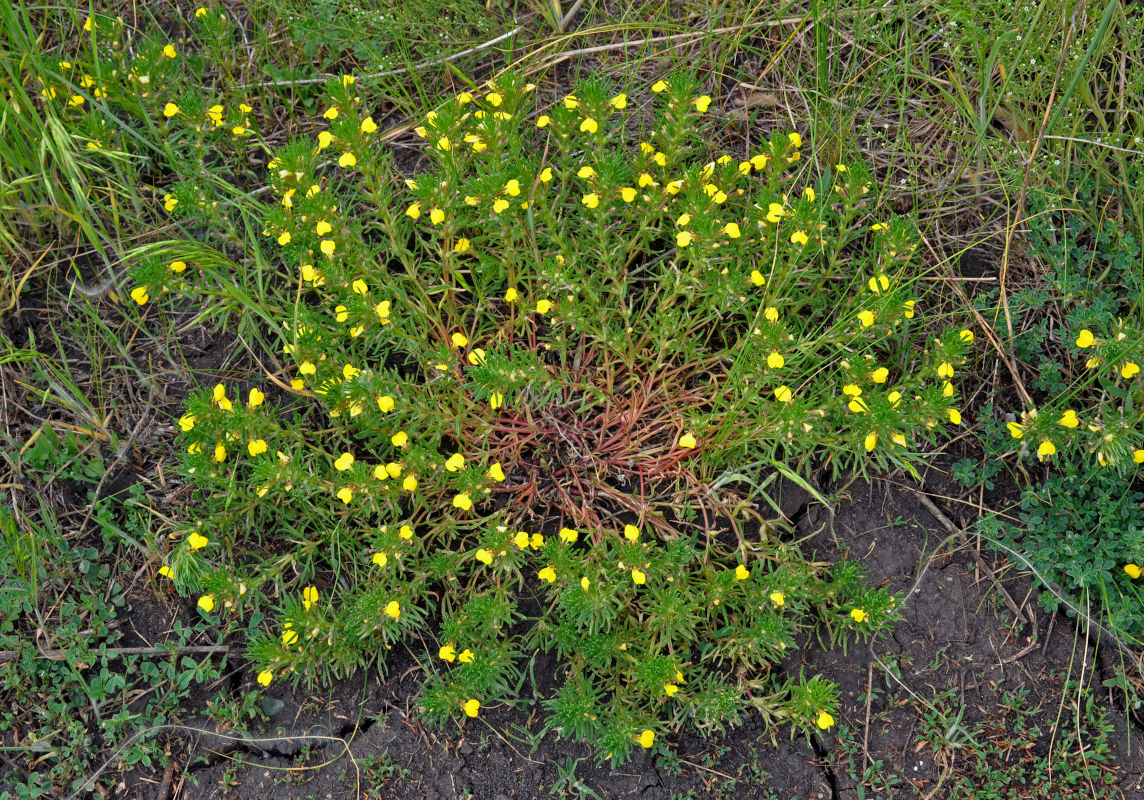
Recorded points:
553,326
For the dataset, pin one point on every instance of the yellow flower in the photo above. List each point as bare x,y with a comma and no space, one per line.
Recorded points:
589,125
410,483
631,533
436,216
947,389
345,494
344,462
399,439
543,306
463,501
472,707
536,541
484,556
546,175
547,574
381,559
619,102
170,201
327,247
954,415
794,139
197,541
646,180
368,125
1138,456
585,584
465,656
1133,571
742,573
1068,419
1045,449
880,375
289,636
774,212
879,284
256,447
166,571
591,200
1085,339
309,597
543,120
568,535
1129,369
702,103
447,653
670,689
778,598
908,308
499,205
455,462
732,230
512,295
798,237
639,577
871,441
220,452
494,99
866,318
684,238
496,472
265,677
170,110
406,532
139,295
659,86
627,193
775,360
464,98
206,603
783,394
1016,430
520,539
496,400
858,615
808,193
359,286
823,720
646,739
393,609
945,370
966,336
757,278
687,440
459,339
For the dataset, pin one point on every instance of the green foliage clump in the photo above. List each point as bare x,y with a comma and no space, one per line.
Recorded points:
556,325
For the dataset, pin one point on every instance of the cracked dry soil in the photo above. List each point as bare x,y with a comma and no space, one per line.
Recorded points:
964,641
